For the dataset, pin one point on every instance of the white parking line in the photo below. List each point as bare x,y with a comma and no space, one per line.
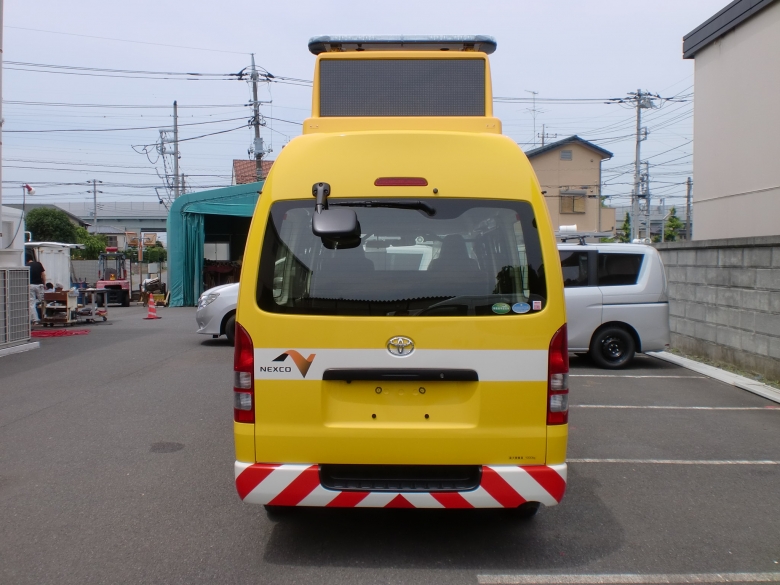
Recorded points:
631,578
629,376
777,408
679,461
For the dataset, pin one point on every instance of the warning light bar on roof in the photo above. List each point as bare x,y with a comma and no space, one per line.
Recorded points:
328,44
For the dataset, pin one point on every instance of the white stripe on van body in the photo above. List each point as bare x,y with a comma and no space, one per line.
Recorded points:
491,365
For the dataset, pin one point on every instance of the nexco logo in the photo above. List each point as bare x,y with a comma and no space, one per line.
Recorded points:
274,369
303,364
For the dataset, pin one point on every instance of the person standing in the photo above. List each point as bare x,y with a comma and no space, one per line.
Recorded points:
37,282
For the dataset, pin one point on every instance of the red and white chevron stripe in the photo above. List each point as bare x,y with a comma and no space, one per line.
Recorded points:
502,486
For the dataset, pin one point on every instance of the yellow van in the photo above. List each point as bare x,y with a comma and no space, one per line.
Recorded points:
401,329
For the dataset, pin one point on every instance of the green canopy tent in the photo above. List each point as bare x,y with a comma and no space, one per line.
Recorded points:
187,235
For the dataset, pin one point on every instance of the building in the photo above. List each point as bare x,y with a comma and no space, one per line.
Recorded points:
75,220
115,236
245,171
134,217
736,121
569,173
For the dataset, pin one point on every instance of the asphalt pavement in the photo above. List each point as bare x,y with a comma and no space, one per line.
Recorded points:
116,466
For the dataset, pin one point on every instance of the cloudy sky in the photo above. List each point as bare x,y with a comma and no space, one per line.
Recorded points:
92,65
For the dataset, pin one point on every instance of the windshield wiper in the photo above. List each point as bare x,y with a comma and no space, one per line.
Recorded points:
419,205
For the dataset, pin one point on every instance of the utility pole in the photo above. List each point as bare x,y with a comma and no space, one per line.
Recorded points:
258,144
642,101
183,189
644,179
663,220
94,202
688,186
544,135
175,150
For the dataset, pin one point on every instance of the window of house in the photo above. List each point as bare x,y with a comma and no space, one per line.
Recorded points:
216,251
573,201
111,241
566,155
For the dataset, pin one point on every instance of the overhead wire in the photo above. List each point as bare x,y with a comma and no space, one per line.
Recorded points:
118,129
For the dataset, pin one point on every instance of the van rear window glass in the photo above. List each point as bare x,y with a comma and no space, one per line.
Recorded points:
431,257
619,269
402,87
575,268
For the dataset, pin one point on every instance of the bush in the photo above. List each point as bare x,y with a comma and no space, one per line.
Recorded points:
93,245
50,225
151,254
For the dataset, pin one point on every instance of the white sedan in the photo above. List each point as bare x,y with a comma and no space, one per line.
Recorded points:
216,313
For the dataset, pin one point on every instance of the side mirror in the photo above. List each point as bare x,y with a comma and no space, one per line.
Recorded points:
338,228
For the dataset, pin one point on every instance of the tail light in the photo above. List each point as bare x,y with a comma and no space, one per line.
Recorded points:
243,377
558,379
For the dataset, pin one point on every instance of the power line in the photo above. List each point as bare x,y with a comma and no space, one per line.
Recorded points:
102,172
128,71
118,129
126,106
78,73
54,32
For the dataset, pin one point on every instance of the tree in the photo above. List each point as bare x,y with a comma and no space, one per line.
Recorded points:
50,225
93,245
673,226
624,233
156,253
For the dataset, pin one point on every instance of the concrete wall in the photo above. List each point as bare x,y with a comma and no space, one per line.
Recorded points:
735,127
724,298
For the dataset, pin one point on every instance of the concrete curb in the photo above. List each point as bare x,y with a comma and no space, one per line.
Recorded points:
20,348
741,382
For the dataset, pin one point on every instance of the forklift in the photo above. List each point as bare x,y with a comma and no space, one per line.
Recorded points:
112,276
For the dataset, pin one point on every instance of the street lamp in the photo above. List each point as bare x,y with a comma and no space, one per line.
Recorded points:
26,190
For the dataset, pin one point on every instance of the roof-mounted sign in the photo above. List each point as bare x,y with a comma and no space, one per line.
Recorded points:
328,44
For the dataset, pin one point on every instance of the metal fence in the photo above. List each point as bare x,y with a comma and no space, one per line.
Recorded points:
85,271
14,306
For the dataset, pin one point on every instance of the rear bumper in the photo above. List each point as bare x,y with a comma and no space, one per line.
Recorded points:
501,486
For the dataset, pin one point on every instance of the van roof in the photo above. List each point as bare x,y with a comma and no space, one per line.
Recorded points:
338,44
607,247
52,245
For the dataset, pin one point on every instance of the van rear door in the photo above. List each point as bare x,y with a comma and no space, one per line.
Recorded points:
424,342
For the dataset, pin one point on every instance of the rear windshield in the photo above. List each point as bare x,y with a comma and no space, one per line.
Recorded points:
431,257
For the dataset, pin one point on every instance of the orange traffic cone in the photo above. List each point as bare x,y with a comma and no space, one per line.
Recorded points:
152,314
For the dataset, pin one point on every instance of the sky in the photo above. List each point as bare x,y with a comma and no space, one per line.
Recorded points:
564,50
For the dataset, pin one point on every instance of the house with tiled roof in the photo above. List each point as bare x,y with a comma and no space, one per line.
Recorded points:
245,171
569,172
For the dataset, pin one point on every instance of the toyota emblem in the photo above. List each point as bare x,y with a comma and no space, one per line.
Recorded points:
400,346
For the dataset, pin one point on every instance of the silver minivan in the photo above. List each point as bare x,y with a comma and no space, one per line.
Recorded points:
616,301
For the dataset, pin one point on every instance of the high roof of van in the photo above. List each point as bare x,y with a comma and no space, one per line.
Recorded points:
433,84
